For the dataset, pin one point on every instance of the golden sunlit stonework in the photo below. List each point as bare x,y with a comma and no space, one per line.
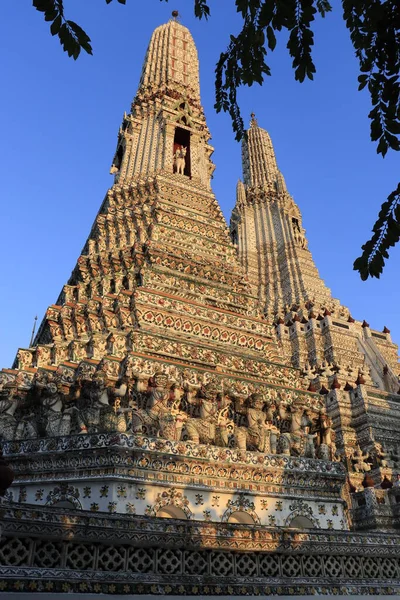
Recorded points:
200,374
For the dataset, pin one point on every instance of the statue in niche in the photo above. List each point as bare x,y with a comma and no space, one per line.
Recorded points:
359,460
298,232
180,160
257,434
211,427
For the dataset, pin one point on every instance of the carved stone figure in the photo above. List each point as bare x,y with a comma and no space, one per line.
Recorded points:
306,422
97,414
58,421
180,160
297,433
8,422
258,431
326,432
211,426
324,452
382,458
162,415
298,232
309,448
118,393
170,418
359,460
284,444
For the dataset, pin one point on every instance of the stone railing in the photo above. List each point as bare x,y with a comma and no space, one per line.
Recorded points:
46,549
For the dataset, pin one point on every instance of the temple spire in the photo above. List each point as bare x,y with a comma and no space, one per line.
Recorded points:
259,162
171,59
166,130
268,227
312,326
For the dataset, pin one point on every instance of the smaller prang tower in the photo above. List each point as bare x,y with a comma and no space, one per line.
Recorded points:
313,327
316,332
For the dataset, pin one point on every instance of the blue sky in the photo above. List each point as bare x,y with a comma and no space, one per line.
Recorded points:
59,124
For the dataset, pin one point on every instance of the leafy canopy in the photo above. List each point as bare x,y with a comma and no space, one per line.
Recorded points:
374,27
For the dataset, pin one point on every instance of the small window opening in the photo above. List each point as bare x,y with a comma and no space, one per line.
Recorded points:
171,512
125,283
64,504
239,516
295,223
301,522
181,151
117,162
112,286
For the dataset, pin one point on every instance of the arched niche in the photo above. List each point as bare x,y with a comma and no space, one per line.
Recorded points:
302,522
64,504
171,512
242,517
118,158
182,140
125,283
64,496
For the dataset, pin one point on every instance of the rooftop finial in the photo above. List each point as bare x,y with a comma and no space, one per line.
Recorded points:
33,332
175,15
253,122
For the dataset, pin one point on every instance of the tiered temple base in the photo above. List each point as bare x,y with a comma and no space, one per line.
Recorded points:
135,474
87,513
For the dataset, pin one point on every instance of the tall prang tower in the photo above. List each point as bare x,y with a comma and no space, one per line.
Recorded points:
163,439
